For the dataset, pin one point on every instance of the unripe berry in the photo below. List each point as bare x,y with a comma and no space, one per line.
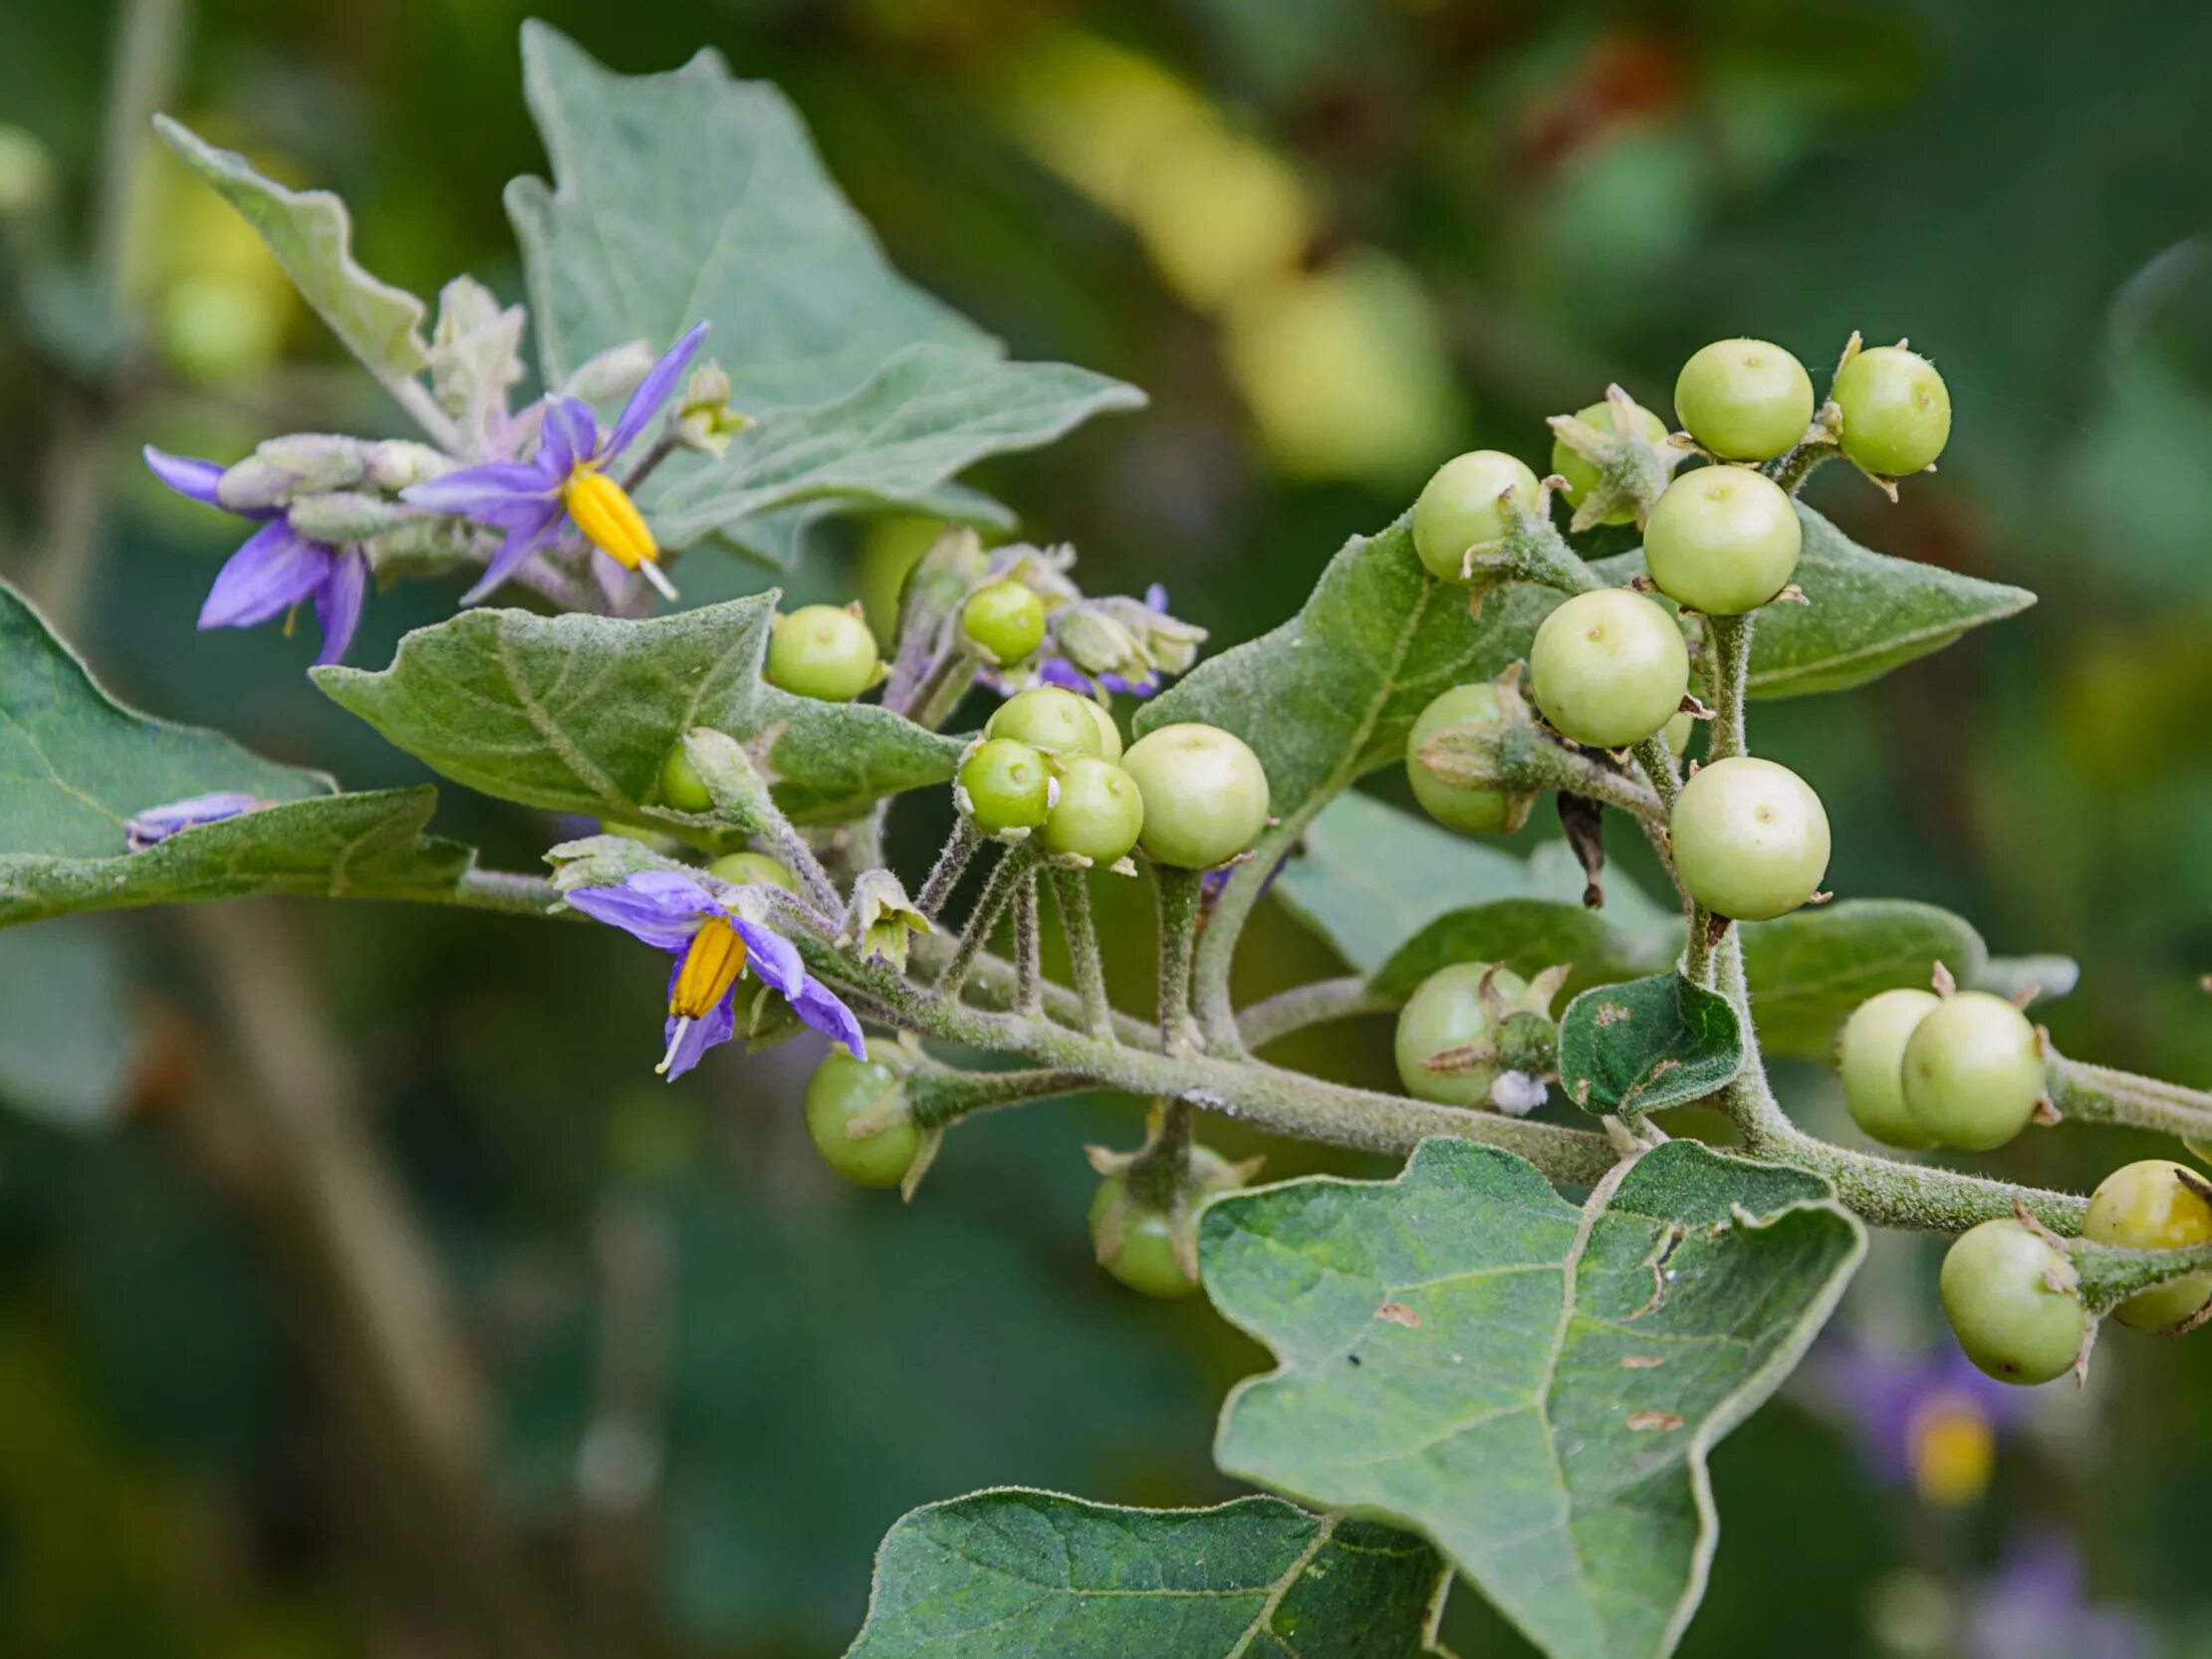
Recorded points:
1098,815
1004,621
1722,540
1142,1256
1973,1071
2147,1206
754,869
1479,710
846,1095
1048,718
1456,1008
1750,838
1609,667
1459,507
1896,410
1582,475
682,789
2008,1296
1871,1057
1744,400
1205,795
822,652
1110,735
1008,786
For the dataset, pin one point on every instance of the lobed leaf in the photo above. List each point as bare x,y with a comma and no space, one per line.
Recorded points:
575,713
1011,1573
1534,1387
1647,1045
311,235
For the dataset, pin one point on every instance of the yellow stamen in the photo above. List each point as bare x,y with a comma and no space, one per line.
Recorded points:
608,519
710,967
1953,1450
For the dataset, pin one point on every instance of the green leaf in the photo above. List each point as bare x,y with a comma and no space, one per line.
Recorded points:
75,766
1533,1386
929,413
1647,1045
1808,970
309,232
690,197
1526,935
1013,1575
574,714
1868,614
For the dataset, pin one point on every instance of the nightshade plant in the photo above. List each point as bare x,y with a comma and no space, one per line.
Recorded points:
1507,1365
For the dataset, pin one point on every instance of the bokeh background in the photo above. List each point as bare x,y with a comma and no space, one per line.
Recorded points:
1336,240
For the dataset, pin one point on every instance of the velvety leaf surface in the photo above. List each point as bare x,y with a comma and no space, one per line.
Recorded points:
1868,613
1808,970
311,235
1646,1044
693,196
1534,1387
1015,1574
575,713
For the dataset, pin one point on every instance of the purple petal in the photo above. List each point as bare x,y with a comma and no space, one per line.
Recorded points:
713,1028
522,541
477,492
158,823
195,480
1156,597
338,603
1058,670
661,908
275,570
818,1005
651,392
771,957
571,436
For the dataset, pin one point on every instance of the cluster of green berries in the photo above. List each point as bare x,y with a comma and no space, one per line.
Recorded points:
1052,763
1922,1071
2013,1298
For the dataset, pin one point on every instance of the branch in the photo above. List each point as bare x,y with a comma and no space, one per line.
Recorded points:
1310,1005
2088,1093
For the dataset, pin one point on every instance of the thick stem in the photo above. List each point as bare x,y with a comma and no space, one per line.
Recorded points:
937,1095
2089,1093
952,865
1179,894
2111,1274
1731,643
1010,871
1029,971
1072,889
1310,1005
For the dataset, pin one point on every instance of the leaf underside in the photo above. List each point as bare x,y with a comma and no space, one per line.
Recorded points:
1647,1043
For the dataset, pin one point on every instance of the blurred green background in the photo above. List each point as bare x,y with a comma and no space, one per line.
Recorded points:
1336,240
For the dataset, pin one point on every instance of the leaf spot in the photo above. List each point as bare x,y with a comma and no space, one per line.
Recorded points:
1642,1361
1613,1013
1398,1313
1647,1422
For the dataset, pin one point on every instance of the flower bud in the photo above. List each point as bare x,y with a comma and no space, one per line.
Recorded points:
475,355
881,919
342,518
614,373
280,469
704,419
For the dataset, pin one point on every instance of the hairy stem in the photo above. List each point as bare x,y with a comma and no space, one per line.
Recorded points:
1179,894
938,1096
1731,641
1310,1005
1010,871
1072,891
952,865
1029,972
2089,1093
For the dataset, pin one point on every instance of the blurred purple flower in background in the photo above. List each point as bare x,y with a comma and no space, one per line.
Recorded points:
1927,1420
2036,1607
276,569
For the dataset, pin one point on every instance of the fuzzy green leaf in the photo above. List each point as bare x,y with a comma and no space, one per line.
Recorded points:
575,714
1646,1044
693,196
1011,1573
311,235
1534,1387
1808,970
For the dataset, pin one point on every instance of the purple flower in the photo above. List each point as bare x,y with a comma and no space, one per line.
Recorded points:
564,482
1929,1421
277,567
157,824
713,947
2036,1607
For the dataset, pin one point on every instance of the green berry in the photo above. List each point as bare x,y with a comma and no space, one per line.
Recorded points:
1110,735
1609,667
1099,812
1205,795
1896,410
1722,540
1008,785
1744,400
1463,806
1048,718
1582,475
1449,1011
2147,1206
1997,1289
841,1090
1750,838
1973,1071
1871,1056
682,790
823,651
1459,507
743,870
1678,733
1005,620
1144,1255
